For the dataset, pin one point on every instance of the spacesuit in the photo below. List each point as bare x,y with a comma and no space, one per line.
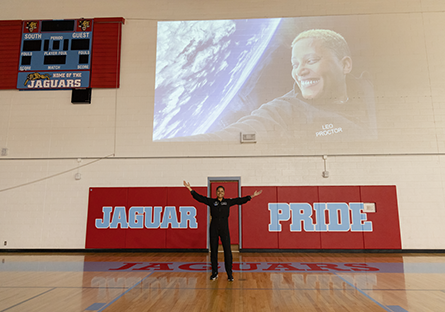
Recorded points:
219,227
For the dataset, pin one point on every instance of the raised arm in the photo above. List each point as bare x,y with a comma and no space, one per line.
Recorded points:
243,200
187,185
256,193
196,196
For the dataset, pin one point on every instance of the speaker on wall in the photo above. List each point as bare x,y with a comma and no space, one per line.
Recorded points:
81,96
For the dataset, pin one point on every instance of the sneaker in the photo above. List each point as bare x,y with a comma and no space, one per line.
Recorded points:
230,278
214,276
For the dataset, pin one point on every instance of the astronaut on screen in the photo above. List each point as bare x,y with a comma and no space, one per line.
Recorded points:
327,102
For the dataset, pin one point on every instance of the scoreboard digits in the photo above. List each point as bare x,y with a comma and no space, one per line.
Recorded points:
55,54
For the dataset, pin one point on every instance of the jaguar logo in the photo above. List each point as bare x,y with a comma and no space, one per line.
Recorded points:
84,24
36,76
31,26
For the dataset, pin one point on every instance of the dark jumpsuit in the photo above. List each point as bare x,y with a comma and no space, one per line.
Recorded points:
219,227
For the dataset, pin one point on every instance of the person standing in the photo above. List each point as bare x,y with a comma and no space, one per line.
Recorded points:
219,226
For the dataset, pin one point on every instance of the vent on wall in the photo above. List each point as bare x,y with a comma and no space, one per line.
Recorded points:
248,137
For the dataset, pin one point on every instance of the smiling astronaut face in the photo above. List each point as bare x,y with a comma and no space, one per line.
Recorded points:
318,72
220,193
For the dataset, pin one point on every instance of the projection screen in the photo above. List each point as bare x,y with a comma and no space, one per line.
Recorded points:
305,79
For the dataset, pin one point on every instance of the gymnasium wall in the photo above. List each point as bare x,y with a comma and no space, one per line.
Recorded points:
111,144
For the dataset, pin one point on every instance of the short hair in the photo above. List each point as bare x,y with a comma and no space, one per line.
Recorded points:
331,40
220,187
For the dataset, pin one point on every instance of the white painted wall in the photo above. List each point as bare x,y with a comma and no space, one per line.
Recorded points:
45,134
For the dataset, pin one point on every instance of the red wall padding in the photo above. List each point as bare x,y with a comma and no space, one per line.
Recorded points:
100,197
145,238
386,227
385,221
255,218
106,50
338,194
187,238
306,240
10,38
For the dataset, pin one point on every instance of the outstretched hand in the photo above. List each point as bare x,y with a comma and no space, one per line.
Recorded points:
187,185
256,193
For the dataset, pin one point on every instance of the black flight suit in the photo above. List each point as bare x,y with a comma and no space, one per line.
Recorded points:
219,227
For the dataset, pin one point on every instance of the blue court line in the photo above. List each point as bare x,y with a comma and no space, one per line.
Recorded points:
95,306
118,297
397,308
61,287
364,294
28,299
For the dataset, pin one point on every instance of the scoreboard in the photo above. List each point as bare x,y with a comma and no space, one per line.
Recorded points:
55,54
70,54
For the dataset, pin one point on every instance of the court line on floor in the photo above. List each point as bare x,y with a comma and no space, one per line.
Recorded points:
203,288
397,308
224,287
15,305
118,297
364,294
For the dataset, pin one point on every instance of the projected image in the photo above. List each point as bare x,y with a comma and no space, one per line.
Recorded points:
279,78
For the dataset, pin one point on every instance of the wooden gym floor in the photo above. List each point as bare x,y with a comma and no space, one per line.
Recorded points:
149,281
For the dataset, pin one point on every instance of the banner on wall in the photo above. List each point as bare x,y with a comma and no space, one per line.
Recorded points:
323,217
